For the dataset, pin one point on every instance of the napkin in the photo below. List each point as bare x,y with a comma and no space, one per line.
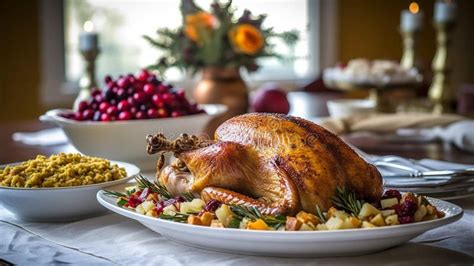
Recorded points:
45,137
450,128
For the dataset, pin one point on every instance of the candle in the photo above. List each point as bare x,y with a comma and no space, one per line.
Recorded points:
445,11
89,39
411,19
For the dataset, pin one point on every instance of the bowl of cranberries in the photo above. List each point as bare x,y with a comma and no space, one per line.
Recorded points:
113,123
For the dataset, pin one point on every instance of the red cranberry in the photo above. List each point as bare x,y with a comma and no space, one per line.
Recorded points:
181,94
392,193
406,219
78,116
130,91
167,98
82,106
121,94
152,113
98,98
139,97
162,88
123,105
95,92
107,79
123,82
407,208
88,114
140,115
149,89
153,80
94,106
212,205
105,117
131,79
125,115
143,75
133,110
112,110
103,107
131,101
134,201
162,113
157,100
109,94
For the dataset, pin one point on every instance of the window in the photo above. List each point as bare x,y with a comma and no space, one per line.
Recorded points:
121,25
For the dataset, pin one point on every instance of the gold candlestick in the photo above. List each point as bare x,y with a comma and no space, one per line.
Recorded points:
410,55
88,80
441,92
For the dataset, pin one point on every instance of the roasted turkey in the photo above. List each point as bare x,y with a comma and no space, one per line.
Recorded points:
279,164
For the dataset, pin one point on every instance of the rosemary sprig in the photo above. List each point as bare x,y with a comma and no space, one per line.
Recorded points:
347,201
155,187
114,194
188,196
320,214
253,214
178,217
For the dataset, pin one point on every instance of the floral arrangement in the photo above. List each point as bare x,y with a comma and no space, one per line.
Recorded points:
216,38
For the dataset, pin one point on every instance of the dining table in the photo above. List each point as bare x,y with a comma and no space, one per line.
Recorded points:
112,239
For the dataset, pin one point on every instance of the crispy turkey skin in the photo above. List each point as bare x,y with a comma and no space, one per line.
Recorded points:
277,163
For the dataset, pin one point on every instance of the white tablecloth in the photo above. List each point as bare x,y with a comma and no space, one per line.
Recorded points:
113,239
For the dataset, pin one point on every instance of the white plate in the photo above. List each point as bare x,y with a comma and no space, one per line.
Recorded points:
287,244
59,204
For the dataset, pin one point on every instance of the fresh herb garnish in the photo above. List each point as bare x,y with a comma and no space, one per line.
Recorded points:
178,217
121,202
155,186
253,214
320,214
114,194
347,201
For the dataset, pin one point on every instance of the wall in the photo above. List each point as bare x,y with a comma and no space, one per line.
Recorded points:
369,29
19,52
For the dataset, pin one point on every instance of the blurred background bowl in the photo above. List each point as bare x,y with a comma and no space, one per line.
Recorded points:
125,140
343,108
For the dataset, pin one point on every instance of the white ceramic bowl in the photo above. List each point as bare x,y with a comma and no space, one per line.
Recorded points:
125,140
59,204
343,108
348,242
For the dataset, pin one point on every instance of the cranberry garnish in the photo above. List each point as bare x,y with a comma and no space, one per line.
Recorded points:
143,75
144,194
123,105
78,116
105,117
98,98
95,92
408,208
112,110
177,113
133,110
157,100
392,193
139,97
82,106
121,94
109,94
88,114
162,88
125,115
181,94
103,107
406,219
149,89
212,205
123,83
152,113
140,115
134,201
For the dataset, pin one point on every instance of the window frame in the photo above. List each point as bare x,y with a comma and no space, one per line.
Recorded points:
55,89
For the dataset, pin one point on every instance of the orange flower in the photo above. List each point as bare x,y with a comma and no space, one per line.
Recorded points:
247,39
199,20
